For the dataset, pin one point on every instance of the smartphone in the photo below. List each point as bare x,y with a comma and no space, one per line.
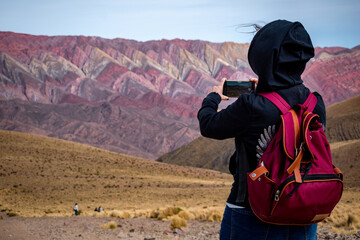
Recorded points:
236,88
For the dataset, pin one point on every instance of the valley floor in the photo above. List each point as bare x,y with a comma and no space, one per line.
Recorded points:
133,228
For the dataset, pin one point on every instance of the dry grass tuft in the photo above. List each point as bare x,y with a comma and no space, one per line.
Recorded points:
177,222
203,214
214,216
352,220
209,215
120,214
97,214
11,214
345,223
186,215
165,213
109,225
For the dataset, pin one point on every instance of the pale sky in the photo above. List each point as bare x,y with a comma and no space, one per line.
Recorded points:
329,22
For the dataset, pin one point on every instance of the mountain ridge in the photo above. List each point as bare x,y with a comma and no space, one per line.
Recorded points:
161,82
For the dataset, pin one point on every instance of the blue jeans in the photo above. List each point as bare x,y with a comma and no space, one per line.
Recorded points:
243,224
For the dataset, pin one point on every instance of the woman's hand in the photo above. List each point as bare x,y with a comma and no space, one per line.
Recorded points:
219,89
254,80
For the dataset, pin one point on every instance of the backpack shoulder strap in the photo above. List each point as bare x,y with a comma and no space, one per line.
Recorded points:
290,120
284,107
277,100
310,102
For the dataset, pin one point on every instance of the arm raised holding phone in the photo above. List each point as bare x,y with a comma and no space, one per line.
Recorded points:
230,89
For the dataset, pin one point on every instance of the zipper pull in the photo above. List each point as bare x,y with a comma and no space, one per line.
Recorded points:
277,194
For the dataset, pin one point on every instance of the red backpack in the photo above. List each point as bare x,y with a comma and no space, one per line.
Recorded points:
295,182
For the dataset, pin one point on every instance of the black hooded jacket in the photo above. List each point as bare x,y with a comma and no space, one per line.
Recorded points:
278,55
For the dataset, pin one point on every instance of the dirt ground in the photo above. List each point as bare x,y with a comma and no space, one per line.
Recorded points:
64,228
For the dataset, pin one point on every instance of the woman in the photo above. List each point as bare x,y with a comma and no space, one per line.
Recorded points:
278,55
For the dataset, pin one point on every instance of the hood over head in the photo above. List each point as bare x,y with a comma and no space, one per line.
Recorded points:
278,54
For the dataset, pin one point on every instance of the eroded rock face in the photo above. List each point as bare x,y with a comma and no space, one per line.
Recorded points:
139,98
334,72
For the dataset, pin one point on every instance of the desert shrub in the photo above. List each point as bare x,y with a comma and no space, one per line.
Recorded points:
154,214
109,225
214,216
208,215
120,214
177,222
11,214
168,212
115,213
125,215
1,218
142,213
200,216
348,221
186,215
352,220
49,211
343,220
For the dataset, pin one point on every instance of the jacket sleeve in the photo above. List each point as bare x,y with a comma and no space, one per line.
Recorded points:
227,123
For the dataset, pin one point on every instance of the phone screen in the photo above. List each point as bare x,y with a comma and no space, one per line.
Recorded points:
236,88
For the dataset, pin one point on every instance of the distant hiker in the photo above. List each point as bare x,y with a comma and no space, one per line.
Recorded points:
96,209
278,55
100,209
76,209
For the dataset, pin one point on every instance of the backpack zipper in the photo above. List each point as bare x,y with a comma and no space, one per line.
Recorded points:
308,178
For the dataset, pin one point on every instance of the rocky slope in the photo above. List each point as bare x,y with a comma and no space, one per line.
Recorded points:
202,153
334,73
138,98
343,120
